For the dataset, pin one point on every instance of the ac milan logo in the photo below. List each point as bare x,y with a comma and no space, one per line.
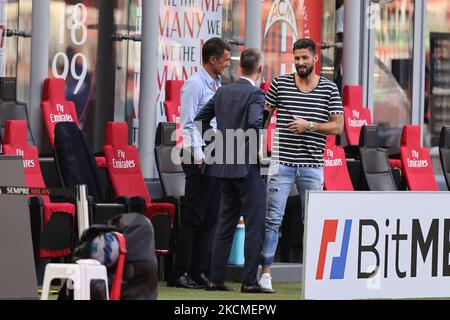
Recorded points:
281,11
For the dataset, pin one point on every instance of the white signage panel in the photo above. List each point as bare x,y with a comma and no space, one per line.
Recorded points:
371,245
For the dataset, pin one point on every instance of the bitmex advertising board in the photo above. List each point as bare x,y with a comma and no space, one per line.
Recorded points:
372,245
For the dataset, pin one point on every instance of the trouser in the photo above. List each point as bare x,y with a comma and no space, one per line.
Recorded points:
279,184
198,217
240,197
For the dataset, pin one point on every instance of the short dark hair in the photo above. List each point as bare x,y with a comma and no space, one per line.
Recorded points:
214,47
250,60
305,43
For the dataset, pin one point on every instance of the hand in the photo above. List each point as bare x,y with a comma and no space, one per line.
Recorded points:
299,125
200,164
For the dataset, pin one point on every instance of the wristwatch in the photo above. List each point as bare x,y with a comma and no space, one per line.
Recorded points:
311,126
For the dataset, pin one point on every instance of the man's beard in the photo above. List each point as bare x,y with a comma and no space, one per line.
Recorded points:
304,73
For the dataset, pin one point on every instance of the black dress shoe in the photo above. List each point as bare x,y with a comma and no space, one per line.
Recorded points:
216,286
201,279
186,282
255,288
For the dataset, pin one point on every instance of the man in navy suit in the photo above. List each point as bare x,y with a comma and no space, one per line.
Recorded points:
233,157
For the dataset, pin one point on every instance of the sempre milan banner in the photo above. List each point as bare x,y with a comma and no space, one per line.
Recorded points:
285,21
184,27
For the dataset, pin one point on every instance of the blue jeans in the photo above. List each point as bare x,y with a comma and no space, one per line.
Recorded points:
280,180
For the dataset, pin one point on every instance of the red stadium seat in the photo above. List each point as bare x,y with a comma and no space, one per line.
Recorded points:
55,108
416,161
126,177
336,175
355,116
265,86
352,97
172,105
273,121
16,144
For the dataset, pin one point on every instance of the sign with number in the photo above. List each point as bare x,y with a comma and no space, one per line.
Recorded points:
73,50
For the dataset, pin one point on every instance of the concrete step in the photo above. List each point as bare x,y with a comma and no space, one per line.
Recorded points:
281,272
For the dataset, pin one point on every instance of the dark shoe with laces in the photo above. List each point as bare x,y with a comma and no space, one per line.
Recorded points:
186,282
255,288
217,286
201,279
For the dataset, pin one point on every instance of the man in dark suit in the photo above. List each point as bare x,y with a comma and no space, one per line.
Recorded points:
233,157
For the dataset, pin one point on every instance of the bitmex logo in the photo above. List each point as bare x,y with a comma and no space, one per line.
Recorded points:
413,242
329,235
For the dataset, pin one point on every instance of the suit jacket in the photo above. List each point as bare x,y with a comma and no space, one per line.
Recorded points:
239,105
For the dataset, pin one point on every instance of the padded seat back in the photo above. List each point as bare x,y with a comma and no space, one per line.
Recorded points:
352,97
52,223
10,109
16,144
75,159
354,119
122,161
444,153
416,161
265,86
336,175
171,173
355,115
55,108
375,161
172,105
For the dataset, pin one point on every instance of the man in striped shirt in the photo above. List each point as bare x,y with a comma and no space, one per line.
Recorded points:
309,109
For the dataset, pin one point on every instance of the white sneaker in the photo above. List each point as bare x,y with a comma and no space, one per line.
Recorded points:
265,281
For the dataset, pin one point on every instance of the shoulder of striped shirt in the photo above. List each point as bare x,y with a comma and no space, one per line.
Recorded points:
284,76
327,82
323,82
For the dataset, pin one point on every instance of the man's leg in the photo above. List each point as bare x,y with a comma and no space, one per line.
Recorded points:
279,185
253,202
189,224
201,253
227,221
306,179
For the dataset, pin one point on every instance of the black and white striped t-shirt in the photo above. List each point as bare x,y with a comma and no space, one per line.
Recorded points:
304,149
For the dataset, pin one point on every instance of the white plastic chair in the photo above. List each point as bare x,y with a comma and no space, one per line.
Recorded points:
80,273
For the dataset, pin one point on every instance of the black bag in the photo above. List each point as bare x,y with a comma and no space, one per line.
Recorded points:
140,277
140,271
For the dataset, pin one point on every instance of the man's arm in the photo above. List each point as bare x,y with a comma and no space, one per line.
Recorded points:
268,113
334,126
204,117
335,123
189,102
256,111
271,102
